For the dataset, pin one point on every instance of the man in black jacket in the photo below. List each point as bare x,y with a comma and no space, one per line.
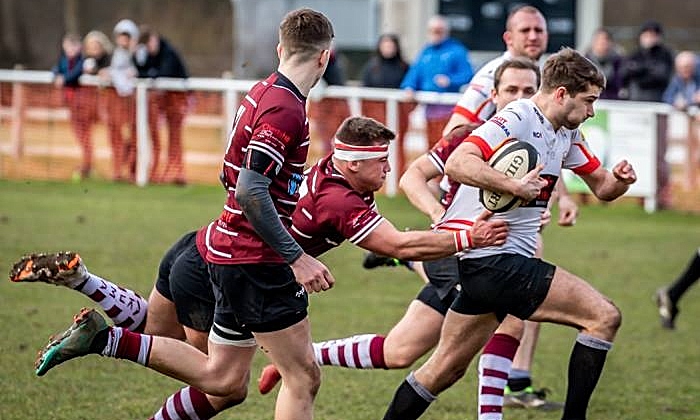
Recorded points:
648,70
155,57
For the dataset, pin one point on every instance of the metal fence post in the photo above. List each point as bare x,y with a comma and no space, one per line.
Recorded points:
143,143
392,122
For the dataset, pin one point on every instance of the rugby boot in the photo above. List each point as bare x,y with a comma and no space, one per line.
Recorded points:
530,398
61,268
372,260
668,311
76,341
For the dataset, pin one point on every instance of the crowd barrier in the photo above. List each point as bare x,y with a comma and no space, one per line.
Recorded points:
37,140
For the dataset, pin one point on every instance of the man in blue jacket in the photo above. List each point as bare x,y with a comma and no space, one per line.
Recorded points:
442,66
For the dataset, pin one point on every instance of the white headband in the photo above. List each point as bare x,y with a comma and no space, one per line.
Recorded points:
349,152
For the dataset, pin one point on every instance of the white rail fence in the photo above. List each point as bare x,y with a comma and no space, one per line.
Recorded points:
633,130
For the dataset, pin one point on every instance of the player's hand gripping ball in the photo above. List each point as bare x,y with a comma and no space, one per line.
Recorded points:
515,159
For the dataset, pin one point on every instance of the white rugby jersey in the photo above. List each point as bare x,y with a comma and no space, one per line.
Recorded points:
564,148
475,104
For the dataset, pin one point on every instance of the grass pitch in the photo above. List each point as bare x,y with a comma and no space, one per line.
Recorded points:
122,231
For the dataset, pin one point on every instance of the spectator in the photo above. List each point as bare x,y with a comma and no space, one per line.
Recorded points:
75,61
326,114
386,69
121,107
155,57
97,52
647,71
603,52
442,66
684,90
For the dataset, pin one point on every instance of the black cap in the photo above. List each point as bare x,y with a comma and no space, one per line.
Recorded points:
651,25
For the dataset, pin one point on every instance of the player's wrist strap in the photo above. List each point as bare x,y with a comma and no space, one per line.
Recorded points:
463,240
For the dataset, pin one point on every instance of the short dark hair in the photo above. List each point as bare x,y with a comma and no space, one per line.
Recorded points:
515,63
363,131
304,32
145,33
570,69
521,8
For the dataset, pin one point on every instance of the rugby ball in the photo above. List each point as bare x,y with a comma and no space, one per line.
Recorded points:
515,159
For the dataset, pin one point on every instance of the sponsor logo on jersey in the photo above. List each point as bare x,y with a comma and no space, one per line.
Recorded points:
545,193
501,122
361,217
273,136
537,134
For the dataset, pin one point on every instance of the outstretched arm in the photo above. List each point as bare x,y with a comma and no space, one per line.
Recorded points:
431,245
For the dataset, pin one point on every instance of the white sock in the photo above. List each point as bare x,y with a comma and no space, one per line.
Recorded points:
364,351
126,308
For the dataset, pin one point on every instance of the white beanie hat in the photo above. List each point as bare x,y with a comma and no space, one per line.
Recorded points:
126,26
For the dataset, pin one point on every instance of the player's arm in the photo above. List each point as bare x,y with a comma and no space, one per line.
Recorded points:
414,183
466,165
457,119
568,209
253,195
385,239
609,185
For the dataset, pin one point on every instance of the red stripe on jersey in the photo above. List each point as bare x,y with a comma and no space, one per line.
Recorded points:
447,225
587,168
468,114
485,148
325,357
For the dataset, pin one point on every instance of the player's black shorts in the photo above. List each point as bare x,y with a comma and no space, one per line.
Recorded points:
257,297
443,275
429,295
183,278
503,284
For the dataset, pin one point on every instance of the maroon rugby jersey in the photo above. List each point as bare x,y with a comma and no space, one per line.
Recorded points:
271,119
330,211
